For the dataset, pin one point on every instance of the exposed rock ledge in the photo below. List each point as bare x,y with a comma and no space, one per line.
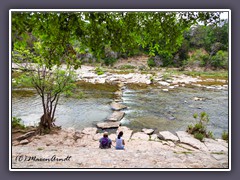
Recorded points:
142,151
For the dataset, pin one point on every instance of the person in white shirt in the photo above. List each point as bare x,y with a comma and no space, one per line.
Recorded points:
120,141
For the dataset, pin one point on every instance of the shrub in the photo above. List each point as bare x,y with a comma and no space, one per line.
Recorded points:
99,71
109,61
220,60
198,58
199,130
17,123
225,135
199,136
151,62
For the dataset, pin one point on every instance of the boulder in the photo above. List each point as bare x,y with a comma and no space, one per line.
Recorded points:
166,135
107,125
25,136
89,131
117,106
141,136
186,138
148,131
116,116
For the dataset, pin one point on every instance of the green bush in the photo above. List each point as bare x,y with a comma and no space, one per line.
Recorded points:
109,61
17,123
151,62
198,58
99,71
199,130
225,135
220,60
199,136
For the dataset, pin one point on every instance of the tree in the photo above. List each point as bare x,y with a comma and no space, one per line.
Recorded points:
49,84
51,37
51,47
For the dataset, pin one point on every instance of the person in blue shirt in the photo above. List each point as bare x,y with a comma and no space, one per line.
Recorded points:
120,141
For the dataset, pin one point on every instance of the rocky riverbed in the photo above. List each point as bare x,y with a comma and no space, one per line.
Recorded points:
69,148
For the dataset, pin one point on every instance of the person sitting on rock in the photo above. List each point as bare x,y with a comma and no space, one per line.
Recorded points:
105,142
120,141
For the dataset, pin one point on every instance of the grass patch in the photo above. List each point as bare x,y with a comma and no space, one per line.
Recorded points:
225,136
183,152
208,74
218,153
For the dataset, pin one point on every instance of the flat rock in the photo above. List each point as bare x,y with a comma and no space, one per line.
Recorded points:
215,146
97,136
154,137
116,116
166,135
25,136
140,136
107,125
23,142
163,83
222,142
186,138
117,106
89,131
148,131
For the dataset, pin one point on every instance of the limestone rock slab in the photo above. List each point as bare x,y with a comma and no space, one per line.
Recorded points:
186,138
140,136
166,135
107,125
116,116
117,106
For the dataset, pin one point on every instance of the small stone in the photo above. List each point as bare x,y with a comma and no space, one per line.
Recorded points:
148,131
165,90
23,142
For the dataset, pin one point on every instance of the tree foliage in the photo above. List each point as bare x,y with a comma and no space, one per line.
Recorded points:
43,41
159,32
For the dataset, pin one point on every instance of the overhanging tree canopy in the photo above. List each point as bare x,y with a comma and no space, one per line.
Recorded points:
160,32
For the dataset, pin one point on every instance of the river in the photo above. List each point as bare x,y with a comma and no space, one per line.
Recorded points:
147,108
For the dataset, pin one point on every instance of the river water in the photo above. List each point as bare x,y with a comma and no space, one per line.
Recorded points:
147,108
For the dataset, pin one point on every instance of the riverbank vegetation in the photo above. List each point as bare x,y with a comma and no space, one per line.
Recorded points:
43,41
199,130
